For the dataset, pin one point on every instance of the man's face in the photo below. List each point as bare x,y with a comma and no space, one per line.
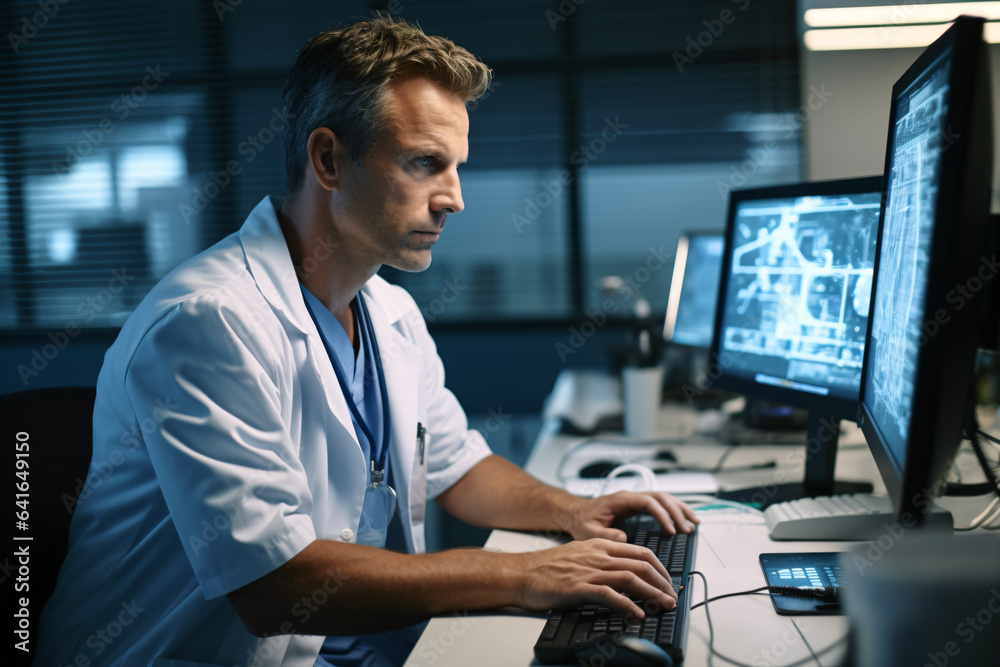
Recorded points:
394,207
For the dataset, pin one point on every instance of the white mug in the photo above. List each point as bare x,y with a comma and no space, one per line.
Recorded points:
641,387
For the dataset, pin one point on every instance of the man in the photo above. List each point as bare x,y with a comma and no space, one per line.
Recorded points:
262,401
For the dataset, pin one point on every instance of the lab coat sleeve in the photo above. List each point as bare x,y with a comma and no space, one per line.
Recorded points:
453,448
228,469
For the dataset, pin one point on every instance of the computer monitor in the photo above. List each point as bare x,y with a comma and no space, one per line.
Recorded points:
793,306
935,240
695,282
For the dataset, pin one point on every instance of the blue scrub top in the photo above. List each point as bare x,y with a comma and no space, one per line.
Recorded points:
361,373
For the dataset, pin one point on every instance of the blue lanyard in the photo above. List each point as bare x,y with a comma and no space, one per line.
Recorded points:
378,471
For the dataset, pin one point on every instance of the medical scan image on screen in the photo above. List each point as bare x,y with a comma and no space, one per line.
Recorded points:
799,290
696,307
906,240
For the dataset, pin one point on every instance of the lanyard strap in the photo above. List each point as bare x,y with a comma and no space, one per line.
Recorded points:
379,468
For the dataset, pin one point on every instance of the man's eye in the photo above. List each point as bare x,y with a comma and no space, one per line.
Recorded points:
424,161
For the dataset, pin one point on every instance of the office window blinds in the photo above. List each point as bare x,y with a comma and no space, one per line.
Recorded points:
134,135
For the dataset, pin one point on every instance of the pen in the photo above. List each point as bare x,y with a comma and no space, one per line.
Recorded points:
420,441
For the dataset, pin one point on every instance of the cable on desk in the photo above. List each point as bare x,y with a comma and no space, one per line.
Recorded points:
814,656
727,595
717,468
991,438
988,514
973,429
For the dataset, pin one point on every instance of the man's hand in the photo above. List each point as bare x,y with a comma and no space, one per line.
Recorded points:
593,517
596,572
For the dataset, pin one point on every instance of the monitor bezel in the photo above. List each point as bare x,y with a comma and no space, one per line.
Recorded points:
946,359
677,285
821,404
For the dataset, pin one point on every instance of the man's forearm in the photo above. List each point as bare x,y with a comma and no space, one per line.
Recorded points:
498,494
332,588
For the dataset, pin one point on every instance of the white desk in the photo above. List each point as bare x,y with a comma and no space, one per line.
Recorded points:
746,627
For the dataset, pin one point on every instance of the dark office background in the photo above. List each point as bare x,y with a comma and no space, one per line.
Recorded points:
118,122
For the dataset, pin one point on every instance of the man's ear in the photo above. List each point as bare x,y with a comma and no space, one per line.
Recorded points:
326,157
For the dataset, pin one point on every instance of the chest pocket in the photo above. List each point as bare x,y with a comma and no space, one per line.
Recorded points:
418,481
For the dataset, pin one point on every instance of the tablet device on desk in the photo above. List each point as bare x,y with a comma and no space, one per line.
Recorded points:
806,571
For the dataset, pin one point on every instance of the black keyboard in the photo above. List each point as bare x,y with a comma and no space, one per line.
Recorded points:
566,629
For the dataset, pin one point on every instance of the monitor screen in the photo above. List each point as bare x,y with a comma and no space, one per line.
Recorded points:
691,309
905,254
796,290
935,239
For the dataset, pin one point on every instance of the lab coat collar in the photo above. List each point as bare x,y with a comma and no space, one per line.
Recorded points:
270,263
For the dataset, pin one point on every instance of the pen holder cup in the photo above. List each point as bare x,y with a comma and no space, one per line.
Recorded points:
641,390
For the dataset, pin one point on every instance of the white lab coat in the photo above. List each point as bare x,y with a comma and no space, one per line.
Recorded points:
223,446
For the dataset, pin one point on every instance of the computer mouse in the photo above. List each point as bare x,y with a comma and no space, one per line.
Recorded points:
599,469
596,470
622,651
666,455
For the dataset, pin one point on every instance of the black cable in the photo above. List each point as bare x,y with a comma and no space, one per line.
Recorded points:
980,489
725,455
814,656
977,446
727,595
989,437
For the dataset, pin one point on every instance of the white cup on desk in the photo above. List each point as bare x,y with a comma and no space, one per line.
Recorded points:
641,388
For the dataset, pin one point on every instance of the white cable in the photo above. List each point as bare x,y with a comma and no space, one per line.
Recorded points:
992,515
648,476
988,514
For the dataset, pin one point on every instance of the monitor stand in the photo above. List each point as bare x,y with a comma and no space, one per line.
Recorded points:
822,433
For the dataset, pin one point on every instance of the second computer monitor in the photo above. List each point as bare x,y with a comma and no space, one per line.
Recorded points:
691,306
795,291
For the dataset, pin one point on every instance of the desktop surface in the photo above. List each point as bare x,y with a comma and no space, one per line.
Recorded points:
729,543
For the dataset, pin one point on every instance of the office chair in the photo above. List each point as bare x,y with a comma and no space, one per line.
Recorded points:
59,427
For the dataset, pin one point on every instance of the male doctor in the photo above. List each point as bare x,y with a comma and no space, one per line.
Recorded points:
274,414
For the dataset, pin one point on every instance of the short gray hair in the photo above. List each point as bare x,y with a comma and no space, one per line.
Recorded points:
342,77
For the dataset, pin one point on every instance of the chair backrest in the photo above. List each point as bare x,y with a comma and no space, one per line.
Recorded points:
57,425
